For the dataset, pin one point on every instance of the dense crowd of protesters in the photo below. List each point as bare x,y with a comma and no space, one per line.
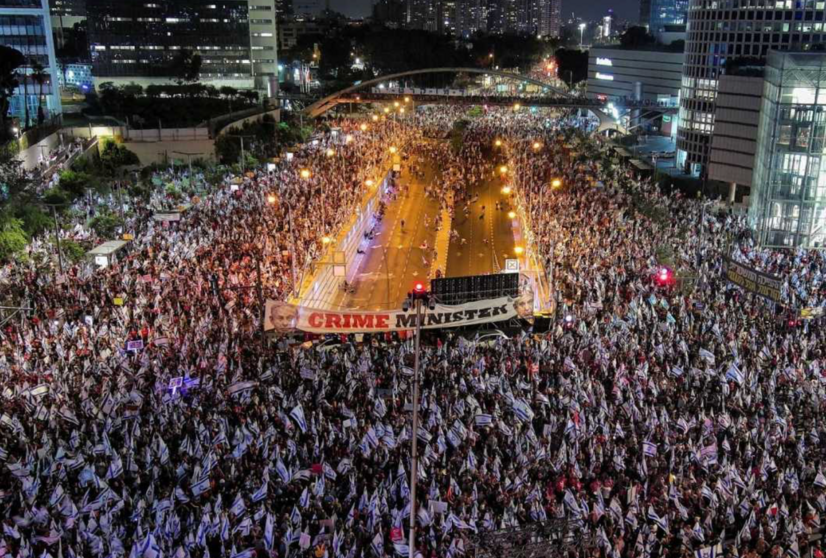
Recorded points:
142,416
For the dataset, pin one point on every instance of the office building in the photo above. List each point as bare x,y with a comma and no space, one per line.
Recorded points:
66,13
137,42
719,31
667,16
26,26
734,142
648,76
471,17
645,13
788,201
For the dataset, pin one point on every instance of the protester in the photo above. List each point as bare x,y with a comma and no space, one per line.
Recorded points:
143,416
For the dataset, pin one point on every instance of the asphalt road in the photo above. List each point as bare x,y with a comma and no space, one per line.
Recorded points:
384,283
488,233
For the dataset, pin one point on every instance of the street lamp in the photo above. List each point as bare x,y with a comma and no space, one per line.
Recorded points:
537,145
511,215
556,184
581,34
375,118
386,110
305,174
498,143
271,199
506,190
517,106
369,182
330,152
393,149
326,240
418,296
363,127
518,250
503,169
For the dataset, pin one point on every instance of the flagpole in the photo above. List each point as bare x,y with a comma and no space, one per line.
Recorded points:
414,457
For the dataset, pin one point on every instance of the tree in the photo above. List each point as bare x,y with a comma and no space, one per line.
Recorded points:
186,67
13,238
106,224
115,156
635,37
39,76
572,65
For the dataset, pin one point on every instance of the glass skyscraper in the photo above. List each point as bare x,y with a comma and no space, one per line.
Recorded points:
667,14
25,26
788,199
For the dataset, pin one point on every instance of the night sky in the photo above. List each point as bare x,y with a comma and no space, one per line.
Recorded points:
624,9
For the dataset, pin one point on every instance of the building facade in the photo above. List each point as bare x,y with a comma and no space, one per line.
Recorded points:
734,142
25,25
645,75
788,201
667,16
719,31
236,39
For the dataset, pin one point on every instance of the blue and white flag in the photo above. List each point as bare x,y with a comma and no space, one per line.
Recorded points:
240,387
734,374
649,449
298,415
378,545
261,493
483,420
238,506
268,529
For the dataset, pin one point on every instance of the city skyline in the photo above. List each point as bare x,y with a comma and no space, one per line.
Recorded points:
623,9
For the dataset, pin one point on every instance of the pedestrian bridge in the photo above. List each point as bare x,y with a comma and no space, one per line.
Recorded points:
548,95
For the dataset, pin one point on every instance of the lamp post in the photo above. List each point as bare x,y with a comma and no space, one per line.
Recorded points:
418,296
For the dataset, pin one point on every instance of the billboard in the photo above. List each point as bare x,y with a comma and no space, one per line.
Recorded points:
283,317
759,283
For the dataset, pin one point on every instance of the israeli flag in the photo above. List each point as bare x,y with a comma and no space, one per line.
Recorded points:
200,487
238,507
734,374
282,471
378,545
650,449
298,415
261,493
483,420
268,529
659,521
304,501
240,387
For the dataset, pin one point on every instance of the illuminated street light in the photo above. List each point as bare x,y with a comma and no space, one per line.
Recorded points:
401,110
396,104
305,173
537,145
386,110
326,240
330,152
506,190
363,127
498,143
556,183
518,250
271,199
348,138
375,118
393,149
407,99
369,182
503,169
511,215
517,106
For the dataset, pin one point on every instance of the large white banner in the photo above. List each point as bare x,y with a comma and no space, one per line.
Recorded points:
283,317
